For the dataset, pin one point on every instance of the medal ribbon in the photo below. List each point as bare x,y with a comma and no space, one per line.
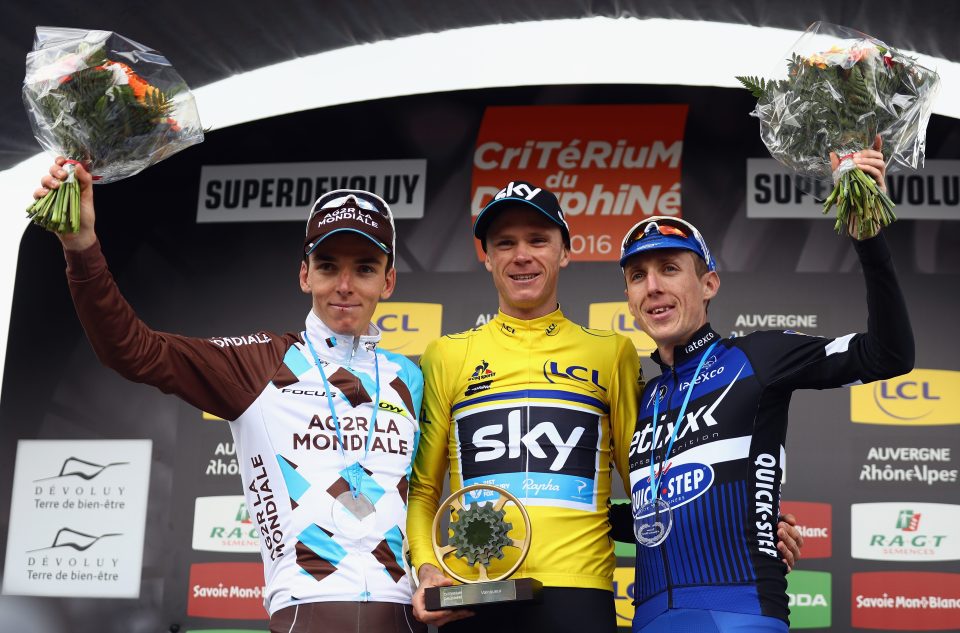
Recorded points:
354,489
655,482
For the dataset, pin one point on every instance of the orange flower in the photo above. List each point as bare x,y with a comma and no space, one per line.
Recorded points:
140,87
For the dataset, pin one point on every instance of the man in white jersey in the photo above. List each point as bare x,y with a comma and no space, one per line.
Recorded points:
324,422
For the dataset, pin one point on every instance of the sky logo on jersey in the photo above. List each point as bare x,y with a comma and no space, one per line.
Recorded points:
679,485
905,531
623,595
924,397
615,316
905,601
809,598
544,455
816,526
407,328
222,524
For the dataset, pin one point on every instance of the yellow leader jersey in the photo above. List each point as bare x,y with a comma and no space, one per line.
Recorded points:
541,408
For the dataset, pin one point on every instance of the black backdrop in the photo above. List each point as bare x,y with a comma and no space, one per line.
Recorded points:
221,279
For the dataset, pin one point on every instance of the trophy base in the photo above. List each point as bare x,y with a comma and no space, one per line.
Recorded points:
481,593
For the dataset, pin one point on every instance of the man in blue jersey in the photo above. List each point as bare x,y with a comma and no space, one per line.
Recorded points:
740,390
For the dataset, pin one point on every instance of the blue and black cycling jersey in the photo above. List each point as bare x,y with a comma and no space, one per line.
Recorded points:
722,477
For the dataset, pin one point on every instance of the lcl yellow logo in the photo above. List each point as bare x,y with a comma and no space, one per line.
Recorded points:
623,595
408,327
924,397
615,316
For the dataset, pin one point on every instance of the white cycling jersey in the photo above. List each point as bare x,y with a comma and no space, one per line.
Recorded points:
321,538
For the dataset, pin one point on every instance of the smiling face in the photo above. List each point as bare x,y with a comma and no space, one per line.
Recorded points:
525,253
347,277
668,295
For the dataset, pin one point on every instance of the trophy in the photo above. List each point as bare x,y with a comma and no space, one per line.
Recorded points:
478,534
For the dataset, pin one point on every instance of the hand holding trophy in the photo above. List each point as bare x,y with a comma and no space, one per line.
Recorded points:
478,534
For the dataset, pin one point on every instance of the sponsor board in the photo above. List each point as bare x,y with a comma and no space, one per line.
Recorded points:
930,194
223,524
816,526
623,595
223,462
809,595
923,397
227,591
271,192
615,316
909,465
905,601
609,165
407,328
905,531
77,518
750,322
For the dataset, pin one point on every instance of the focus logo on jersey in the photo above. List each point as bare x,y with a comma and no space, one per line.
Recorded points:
679,485
924,397
544,455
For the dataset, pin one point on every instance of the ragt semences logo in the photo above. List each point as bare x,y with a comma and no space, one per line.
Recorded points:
905,531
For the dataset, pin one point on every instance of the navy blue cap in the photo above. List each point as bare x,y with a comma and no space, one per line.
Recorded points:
658,232
518,191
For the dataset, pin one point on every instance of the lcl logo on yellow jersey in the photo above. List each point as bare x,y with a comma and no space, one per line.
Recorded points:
408,327
615,316
924,397
623,595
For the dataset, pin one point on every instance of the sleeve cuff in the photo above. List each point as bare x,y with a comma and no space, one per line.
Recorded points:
85,264
873,250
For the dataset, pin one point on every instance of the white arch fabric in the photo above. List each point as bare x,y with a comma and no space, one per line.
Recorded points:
594,50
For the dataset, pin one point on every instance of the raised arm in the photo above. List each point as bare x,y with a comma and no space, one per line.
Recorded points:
220,375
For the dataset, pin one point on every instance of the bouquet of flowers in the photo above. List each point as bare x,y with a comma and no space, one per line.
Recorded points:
106,102
842,88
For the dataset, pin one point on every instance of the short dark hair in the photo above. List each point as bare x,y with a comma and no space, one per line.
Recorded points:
699,266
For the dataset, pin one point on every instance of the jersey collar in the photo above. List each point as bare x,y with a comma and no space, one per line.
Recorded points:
699,342
341,348
547,324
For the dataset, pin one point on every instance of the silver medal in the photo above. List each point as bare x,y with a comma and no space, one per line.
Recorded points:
652,522
353,516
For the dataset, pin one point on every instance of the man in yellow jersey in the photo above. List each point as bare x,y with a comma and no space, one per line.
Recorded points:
535,404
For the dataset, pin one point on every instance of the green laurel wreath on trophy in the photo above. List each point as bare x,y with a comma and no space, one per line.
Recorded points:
478,533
